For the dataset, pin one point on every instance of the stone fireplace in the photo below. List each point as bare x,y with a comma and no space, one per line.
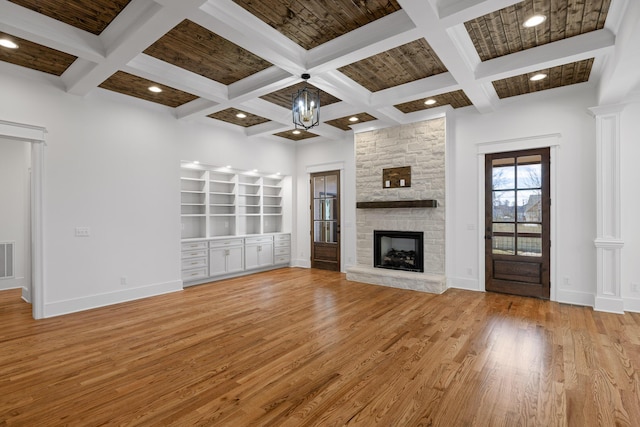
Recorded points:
419,208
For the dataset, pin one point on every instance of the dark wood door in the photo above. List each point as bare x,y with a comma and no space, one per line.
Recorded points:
517,206
325,220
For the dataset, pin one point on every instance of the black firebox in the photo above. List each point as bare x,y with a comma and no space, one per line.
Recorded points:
398,250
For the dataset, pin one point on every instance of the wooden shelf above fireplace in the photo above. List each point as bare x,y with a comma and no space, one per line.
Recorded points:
398,204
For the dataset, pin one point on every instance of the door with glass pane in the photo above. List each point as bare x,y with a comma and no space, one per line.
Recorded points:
325,220
517,223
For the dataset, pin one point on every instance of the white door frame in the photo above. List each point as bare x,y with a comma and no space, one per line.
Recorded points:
542,141
36,136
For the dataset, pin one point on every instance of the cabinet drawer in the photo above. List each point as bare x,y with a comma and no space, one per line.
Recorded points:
282,243
194,274
282,237
261,239
225,243
282,251
194,254
282,259
193,263
194,245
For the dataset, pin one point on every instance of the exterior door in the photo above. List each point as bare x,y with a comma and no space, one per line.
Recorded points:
325,220
517,244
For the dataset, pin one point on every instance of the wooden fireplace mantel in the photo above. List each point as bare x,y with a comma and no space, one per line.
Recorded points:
398,204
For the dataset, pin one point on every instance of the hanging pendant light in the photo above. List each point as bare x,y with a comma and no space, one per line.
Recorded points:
306,106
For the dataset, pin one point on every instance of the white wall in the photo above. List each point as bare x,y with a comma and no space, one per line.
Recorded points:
14,209
112,164
630,206
323,157
565,112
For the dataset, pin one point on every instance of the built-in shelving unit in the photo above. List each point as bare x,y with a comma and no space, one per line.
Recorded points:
221,202
233,222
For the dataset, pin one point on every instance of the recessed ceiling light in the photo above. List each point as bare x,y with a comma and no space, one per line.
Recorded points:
296,132
228,166
155,89
278,173
255,170
538,76
8,44
534,20
241,115
195,162
430,101
353,119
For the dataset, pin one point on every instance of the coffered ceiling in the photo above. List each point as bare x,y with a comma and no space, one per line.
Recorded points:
375,62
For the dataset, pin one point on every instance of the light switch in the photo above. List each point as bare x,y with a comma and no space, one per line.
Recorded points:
402,183
387,183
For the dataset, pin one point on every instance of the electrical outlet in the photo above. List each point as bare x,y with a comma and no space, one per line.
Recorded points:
123,281
566,281
469,271
82,232
635,287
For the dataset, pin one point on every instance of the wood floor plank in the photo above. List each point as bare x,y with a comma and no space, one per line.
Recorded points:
301,347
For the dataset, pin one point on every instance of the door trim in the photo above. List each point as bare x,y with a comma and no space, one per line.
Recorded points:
36,136
303,241
542,141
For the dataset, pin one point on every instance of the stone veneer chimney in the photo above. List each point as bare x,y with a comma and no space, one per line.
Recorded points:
421,146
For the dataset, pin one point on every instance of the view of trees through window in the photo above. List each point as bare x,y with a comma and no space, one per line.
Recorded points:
517,205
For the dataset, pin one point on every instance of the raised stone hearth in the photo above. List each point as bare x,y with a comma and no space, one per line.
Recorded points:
422,147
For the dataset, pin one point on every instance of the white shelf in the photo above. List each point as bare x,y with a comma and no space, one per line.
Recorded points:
219,202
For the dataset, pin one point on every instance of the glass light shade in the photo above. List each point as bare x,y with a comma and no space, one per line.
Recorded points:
306,108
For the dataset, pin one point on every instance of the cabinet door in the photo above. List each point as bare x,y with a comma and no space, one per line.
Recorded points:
265,255
251,256
217,261
234,259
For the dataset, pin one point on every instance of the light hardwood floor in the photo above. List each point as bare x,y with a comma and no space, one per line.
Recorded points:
298,347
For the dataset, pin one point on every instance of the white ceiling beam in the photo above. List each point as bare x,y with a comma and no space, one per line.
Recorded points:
173,76
35,27
449,53
268,128
378,36
261,83
149,26
429,86
562,52
452,12
235,24
199,107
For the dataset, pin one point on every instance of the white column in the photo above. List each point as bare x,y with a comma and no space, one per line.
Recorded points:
608,240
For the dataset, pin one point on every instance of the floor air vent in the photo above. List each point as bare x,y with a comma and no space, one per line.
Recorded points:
6,260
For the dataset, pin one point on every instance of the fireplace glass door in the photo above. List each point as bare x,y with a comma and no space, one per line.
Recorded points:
325,220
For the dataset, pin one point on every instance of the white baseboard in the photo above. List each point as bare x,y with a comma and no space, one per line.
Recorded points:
632,304
59,308
304,263
15,283
576,298
26,294
609,305
463,283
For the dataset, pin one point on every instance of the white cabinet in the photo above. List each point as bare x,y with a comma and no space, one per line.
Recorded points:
258,252
226,256
281,249
194,261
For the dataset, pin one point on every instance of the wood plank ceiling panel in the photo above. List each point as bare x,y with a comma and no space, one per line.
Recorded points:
195,48
456,99
230,116
403,64
138,87
288,134
283,97
311,23
345,123
502,32
35,56
562,75
88,15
